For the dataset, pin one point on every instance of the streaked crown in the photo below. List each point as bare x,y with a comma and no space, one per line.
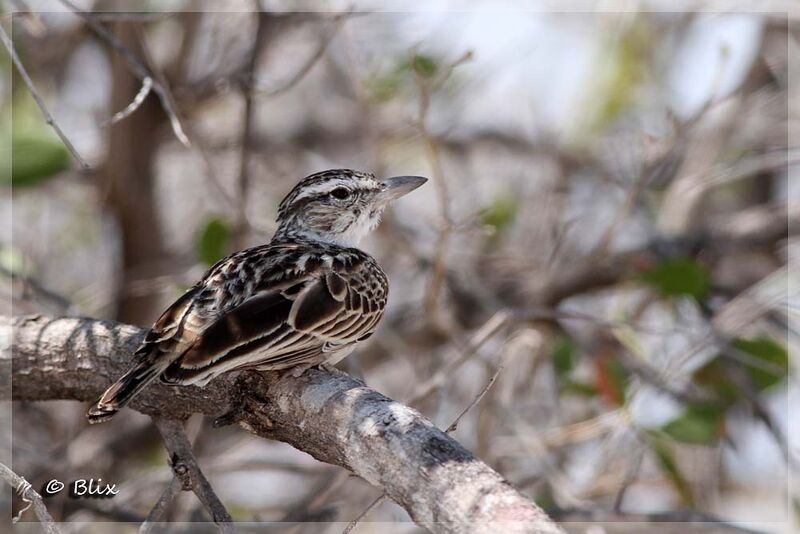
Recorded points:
339,206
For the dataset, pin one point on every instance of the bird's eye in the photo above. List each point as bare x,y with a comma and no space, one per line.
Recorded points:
341,193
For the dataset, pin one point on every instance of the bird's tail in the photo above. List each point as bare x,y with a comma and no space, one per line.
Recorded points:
122,391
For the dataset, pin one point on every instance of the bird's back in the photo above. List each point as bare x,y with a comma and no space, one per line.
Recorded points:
275,306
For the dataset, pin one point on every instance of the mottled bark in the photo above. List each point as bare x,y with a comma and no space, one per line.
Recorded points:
331,416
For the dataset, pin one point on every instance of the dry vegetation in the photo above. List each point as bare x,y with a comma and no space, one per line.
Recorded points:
601,308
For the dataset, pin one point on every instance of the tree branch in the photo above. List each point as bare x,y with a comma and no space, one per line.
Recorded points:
331,416
137,67
187,470
39,102
155,515
30,496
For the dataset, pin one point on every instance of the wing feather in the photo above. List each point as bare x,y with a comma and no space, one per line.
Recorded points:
292,321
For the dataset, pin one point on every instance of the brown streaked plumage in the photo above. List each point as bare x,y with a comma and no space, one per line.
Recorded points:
305,298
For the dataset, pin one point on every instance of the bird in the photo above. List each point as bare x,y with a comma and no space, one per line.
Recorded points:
303,299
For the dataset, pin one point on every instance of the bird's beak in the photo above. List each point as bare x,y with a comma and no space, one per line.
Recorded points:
398,186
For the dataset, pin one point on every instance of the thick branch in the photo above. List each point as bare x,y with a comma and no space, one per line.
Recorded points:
331,416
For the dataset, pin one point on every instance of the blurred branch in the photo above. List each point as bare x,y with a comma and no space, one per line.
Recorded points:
452,428
489,328
155,515
454,425
30,496
30,284
759,226
39,102
326,39
137,67
248,123
374,504
330,416
426,86
147,84
119,16
185,467
688,520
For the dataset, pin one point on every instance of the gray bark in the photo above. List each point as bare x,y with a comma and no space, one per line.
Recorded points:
331,416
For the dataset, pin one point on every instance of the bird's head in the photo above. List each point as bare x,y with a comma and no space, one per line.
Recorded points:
339,206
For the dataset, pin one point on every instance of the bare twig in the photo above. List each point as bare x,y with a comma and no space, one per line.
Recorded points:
30,496
187,470
137,67
497,321
248,120
39,102
352,524
147,84
172,489
426,87
627,209
29,284
454,425
311,508
324,42
630,478
690,520
120,16
452,428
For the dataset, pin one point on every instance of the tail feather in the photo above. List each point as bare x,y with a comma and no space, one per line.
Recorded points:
122,391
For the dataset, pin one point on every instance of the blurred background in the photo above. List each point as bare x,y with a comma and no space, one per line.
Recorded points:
606,229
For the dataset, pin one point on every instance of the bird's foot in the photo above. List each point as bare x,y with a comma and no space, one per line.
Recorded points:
328,368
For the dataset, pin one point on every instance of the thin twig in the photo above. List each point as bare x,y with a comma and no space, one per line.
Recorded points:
137,67
352,524
585,515
311,507
248,121
454,425
32,285
155,515
132,17
426,87
186,468
30,496
147,84
335,24
35,94
452,428
481,336
630,478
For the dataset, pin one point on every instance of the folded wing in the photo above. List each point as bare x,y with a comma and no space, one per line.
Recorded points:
287,326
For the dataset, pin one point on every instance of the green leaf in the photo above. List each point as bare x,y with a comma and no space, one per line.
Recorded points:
425,66
35,157
500,213
666,461
383,88
13,261
580,389
677,277
700,423
771,353
212,241
563,356
714,376
33,153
